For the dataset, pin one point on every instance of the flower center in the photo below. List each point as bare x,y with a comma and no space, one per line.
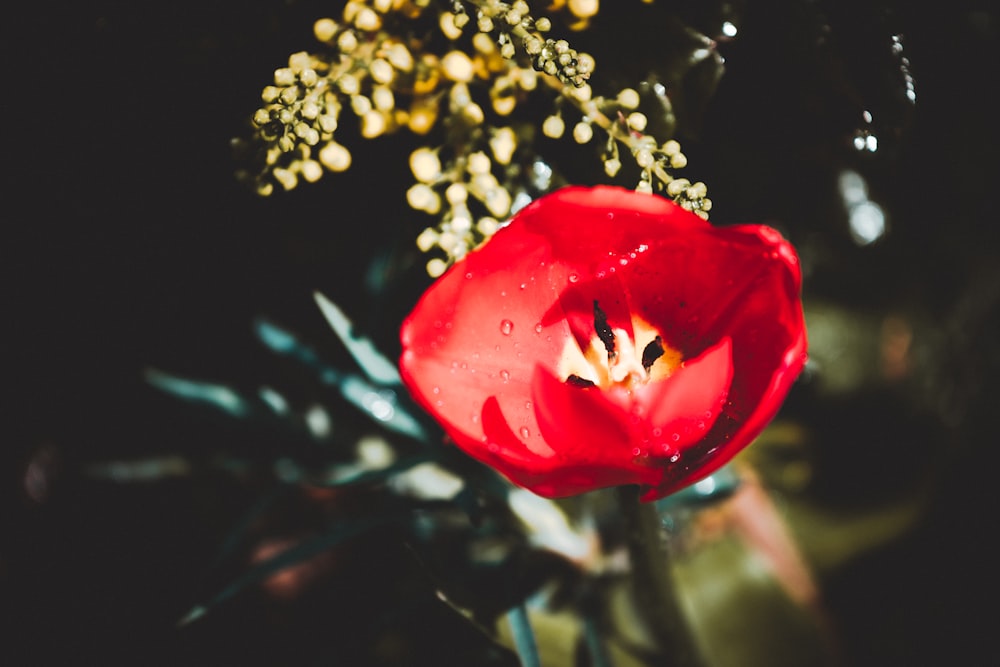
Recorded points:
614,358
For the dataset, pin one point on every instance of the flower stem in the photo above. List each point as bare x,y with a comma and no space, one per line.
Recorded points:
655,590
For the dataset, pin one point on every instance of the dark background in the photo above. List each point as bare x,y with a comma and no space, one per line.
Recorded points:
128,245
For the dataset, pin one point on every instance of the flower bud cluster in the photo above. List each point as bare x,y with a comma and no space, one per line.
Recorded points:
461,69
466,193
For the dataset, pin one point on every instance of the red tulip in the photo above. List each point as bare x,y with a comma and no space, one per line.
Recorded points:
608,337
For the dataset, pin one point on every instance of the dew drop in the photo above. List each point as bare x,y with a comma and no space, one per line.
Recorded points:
468,275
525,432
493,447
574,278
538,328
436,390
675,437
527,405
506,326
701,426
505,376
524,286
636,451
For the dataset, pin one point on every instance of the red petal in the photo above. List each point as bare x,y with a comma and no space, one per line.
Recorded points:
683,408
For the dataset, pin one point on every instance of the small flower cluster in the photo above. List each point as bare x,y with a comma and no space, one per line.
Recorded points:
462,67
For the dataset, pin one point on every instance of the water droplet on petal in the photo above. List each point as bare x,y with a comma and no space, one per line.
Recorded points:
527,405
574,278
538,328
506,326
525,432
675,437
436,390
505,376
493,447
524,286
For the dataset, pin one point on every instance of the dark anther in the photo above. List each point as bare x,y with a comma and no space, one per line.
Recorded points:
603,329
577,381
652,352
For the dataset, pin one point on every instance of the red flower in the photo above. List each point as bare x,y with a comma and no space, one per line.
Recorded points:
609,337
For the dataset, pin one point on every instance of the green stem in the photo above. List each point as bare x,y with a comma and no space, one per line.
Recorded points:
655,591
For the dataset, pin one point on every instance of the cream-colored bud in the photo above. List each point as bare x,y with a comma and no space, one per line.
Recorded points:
270,94
400,57
309,110
502,143
261,117
449,26
425,164
335,157
436,267
427,239
383,98
421,197
644,187
678,161
457,66
644,158
473,114
504,105
311,170
328,123
347,41
479,163
285,177
697,191
373,124
628,98
325,29
308,77
637,121
527,78
461,222
498,202
611,166
553,127
671,147
284,76
483,43
423,115
582,93
543,24
456,194
583,132
381,71
349,84
487,226
677,186
584,9
360,105
368,19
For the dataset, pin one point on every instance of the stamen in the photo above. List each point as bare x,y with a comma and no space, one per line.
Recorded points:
653,351
603,330
577,381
